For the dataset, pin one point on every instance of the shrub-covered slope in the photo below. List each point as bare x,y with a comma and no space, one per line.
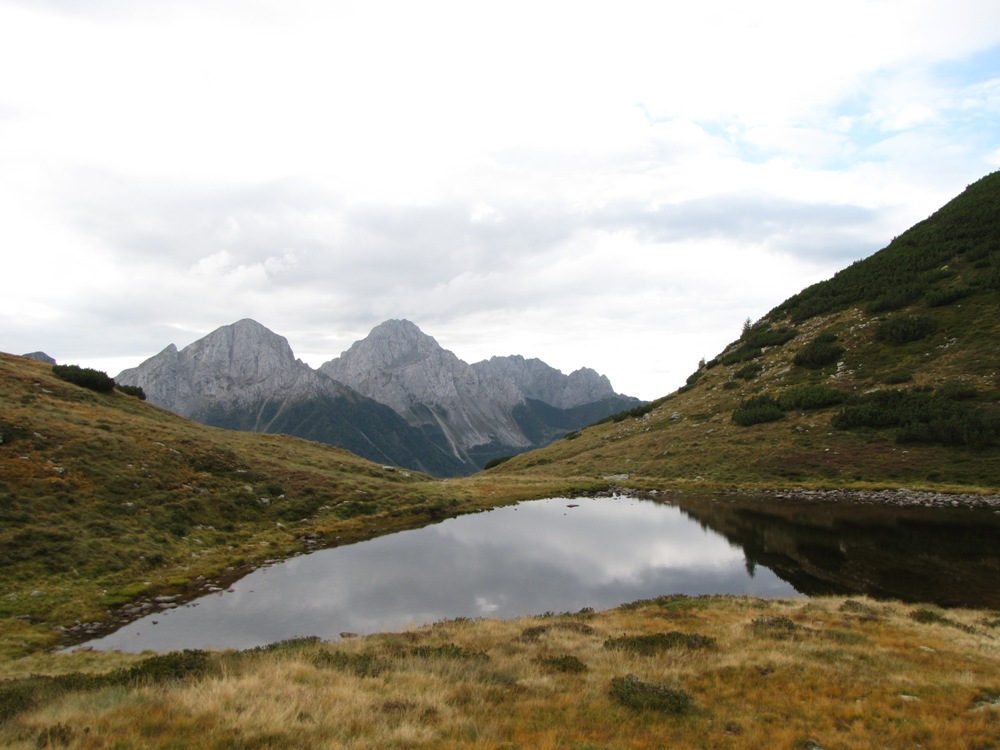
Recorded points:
885,374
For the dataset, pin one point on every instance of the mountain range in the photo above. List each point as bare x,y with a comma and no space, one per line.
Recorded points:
395,397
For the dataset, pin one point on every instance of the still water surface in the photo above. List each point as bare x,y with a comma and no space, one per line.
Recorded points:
547,555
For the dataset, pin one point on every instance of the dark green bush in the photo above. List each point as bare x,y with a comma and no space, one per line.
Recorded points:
742,354
632,692
805,397
132,390
921,417
957,391
757,410
764,336
820,352
895,299
903,329
750,371
86,377
897,377
503,459
942,297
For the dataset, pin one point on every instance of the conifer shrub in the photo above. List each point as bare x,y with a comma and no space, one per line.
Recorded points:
942,297
750,371
895,299
504,459
87,377
757,410
820,352
742,354
922,417
132,390
902,329
805,397
897,377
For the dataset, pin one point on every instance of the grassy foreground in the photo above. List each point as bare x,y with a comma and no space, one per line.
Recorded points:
671,672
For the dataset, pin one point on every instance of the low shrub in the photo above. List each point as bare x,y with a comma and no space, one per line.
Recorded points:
567,664
774,627
902,329
750,371
651,644
895,298
927,616
365,664
942,297
633,693
757,410
820,352
132,390
173,666
742,354
806,397
504,459
447,651
921,417
957,391
898,377
86,377
758,338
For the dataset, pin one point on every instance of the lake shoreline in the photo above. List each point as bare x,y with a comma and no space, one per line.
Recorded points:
899,497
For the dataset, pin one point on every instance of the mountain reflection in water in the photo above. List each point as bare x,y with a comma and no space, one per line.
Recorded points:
949,557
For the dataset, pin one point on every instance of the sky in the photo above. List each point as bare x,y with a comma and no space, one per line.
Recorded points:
609,185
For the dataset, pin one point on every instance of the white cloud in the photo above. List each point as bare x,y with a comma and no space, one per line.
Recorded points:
562,180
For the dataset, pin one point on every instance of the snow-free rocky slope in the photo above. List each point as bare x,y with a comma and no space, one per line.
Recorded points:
395,397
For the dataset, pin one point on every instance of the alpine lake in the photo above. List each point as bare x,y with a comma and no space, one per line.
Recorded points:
568,554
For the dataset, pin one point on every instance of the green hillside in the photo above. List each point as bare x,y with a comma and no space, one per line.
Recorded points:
884,375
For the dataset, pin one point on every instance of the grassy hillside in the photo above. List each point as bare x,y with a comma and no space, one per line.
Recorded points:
888,374
105,499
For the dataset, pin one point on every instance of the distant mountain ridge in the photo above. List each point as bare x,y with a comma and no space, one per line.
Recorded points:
396,396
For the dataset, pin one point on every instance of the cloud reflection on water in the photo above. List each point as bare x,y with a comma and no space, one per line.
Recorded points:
530,558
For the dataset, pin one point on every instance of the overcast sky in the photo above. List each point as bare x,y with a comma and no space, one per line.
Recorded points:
612,185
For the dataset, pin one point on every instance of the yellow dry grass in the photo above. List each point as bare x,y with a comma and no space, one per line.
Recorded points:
804,673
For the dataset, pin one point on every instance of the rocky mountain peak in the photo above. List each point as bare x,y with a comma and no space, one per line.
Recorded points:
400,366
235,364
40,357
539,381
395,344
